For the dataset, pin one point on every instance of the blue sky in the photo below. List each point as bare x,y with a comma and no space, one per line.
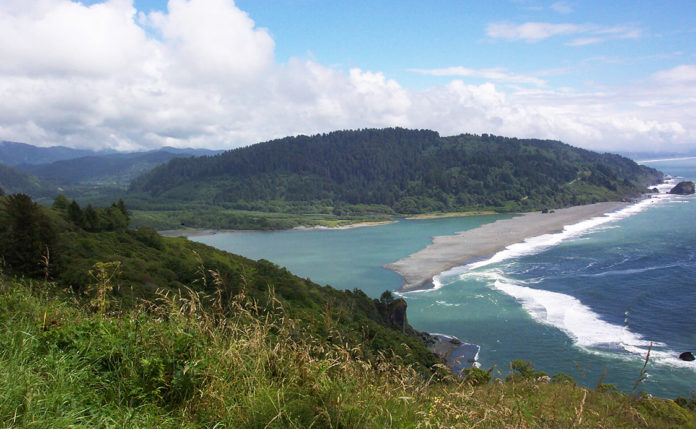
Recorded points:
397,36
617,75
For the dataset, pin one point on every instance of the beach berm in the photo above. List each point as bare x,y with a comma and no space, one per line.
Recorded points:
447,252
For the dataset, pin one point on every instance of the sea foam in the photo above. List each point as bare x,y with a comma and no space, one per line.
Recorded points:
585,327
538,244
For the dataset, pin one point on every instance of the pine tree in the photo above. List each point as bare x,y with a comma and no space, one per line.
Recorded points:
26,235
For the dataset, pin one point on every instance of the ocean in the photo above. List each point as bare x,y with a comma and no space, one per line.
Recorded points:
589,302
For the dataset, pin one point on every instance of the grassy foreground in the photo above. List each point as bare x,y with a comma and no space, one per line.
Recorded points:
69,360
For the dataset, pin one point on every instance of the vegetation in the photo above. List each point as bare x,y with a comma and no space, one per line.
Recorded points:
67,244
387,172
115,168
13,180
173,362
127,328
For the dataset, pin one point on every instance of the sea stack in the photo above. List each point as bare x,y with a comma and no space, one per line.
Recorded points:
683,188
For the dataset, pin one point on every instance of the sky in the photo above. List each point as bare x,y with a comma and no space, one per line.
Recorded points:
140,74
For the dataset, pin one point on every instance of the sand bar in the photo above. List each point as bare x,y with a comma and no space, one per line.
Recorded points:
447,252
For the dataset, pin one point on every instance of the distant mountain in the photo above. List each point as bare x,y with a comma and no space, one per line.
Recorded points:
116,168
190,151
405,171
13,154
67,166
14,181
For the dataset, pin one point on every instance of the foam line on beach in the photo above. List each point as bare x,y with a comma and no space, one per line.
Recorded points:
535,245
503,239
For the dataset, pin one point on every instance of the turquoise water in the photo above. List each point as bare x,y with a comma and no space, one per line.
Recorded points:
586,301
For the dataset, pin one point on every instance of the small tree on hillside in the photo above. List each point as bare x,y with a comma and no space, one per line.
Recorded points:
26,236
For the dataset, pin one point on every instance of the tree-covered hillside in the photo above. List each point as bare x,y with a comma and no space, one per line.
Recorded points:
75,247
13,180
399,171
113,168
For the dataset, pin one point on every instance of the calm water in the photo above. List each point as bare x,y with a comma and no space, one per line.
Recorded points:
589,300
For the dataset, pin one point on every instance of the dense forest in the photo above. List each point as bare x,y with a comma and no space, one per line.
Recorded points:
398,171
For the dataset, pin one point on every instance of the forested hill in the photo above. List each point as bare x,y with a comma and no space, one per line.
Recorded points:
405,171
12,180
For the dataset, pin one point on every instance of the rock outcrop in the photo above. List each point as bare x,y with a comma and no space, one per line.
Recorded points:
687,356
456,354
397,316
683,188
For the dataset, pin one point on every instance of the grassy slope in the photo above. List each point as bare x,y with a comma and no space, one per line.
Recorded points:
169,363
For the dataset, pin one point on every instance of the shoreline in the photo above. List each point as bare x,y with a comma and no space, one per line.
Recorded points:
446,252
448,215
197,232
348,226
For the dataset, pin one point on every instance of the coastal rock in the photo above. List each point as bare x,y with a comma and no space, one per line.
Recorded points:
457,354
683,188
397,317
687,356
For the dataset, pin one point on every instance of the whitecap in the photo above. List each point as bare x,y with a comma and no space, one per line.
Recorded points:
586,328
538,244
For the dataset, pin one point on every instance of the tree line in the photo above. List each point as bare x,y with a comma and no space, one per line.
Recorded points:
408,171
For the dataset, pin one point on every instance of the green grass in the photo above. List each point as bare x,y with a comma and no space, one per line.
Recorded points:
172,361
214,217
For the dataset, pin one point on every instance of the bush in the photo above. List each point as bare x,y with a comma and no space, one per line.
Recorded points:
476,376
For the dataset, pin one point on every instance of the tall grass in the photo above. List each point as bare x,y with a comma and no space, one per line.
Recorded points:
191,360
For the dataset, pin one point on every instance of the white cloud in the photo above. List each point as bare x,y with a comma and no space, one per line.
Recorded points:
684,74
213,39
530,31
562,7
497,74
536,31
97,77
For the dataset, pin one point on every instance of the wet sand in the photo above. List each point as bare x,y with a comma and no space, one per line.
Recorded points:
447,252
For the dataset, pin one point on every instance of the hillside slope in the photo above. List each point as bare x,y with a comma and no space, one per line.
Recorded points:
13,180
399,171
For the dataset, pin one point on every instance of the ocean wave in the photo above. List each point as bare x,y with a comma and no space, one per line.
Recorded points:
538,244
628,271
447,304
585,327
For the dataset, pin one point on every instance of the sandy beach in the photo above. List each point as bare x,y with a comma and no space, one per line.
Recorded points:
193,232
348,226
447,252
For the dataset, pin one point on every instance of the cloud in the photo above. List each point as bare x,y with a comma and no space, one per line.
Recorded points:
680,75
497,74
202,74
536,31
562,7
530,31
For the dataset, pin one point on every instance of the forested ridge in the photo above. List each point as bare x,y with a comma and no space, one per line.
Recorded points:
402,171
